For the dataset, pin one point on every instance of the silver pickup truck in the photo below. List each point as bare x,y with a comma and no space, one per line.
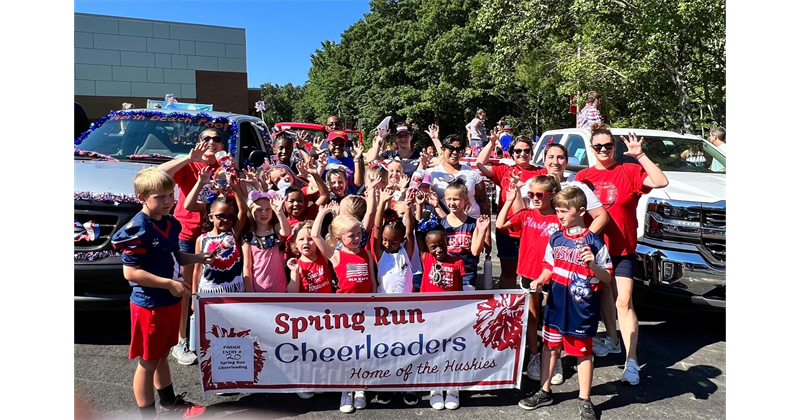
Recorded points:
681,227
108,156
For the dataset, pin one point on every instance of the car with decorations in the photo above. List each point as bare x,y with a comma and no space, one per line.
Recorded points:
107,157
681,228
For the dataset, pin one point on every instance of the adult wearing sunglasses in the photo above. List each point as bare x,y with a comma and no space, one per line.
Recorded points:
450,169
521,150
619,186
184,170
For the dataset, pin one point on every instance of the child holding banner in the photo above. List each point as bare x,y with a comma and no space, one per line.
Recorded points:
577,261
353,267
465,234
394,264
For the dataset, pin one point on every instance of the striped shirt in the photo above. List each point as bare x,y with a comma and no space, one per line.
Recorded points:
588,116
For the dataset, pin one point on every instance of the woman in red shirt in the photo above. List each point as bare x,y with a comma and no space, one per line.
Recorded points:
619,186
521,150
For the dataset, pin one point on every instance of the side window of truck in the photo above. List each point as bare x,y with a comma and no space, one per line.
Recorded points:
248,142
576,148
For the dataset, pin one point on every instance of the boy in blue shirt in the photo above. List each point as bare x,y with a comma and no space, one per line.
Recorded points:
151,262
577,261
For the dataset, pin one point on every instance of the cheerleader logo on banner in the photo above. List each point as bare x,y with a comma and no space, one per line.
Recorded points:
499,323
88,231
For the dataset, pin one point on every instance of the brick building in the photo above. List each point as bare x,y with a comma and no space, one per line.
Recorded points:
121,59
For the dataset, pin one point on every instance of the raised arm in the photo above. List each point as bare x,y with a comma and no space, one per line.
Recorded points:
375,151
512,195
241,203
358,163
284,228
324,192
655,177
294,274
316,234
410,225
195,155
483,156
377,231
433,132
480,234
190,203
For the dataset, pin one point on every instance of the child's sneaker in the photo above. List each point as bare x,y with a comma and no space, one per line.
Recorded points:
410,398
346,403
631,373
384,398
534,370
558,375
437,400
540,399
587,410
305,395
601,347
180,409
451,400
182,353
360,400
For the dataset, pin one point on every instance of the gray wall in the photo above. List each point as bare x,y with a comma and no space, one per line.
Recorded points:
117,56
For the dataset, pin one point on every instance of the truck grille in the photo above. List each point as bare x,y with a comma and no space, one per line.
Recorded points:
108,220
714,218
713,240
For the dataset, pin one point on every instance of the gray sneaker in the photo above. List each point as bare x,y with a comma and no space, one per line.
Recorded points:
183,354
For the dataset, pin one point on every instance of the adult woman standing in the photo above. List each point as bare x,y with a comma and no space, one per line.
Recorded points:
403,151
450,168
477,131
619,186
500,174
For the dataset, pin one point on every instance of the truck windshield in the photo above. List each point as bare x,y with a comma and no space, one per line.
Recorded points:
678,154
139,136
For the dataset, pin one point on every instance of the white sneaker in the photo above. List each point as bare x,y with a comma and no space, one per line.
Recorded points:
603,346
346,404
631,373
181,352
534,370
437,400
558,375
361,400
451,400
305,395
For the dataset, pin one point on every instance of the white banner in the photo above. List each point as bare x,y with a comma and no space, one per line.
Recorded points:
268,342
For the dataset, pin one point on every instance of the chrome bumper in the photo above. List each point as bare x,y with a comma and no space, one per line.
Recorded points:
680,271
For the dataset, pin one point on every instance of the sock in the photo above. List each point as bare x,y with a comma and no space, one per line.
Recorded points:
166,396
546,392
148,412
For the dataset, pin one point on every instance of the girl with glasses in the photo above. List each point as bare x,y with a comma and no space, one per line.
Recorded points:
619,186
508,241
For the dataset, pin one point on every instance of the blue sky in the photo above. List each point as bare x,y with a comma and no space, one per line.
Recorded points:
281,35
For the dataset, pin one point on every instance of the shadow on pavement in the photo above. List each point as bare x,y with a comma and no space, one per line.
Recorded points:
103,327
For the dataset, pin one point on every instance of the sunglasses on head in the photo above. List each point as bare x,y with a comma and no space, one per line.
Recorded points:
223,216
453,148
521,151
215,139
538,195
598,147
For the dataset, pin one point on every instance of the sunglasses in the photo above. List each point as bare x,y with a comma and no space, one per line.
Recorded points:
538,195
453,148
521,151
334,124
223,216
598,147
215,139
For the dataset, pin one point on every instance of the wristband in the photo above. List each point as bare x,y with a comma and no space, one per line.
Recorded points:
639,155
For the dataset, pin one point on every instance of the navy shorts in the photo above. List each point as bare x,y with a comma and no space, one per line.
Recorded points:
626,266
507,246
187,246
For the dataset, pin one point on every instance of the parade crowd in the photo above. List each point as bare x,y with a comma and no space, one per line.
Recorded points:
327,216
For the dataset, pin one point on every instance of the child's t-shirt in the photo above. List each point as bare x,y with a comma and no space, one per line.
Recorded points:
394,272
269,262
459,244
353,272
153,246
442,276
314,276
536,230
224,273
573,304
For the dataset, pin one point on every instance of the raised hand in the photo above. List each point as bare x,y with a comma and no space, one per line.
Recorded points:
386,194
634,144
302,171
250,176
334,208
494,136
483,222
433,198
196,154
317,143
276,202
204,175
433,131
404,180
373,179
293,265
357,150
419,197
424,159
301,138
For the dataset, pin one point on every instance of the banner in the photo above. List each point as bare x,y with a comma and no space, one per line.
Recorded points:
268,342
151,104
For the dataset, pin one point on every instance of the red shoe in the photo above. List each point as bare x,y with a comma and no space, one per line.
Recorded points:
182,409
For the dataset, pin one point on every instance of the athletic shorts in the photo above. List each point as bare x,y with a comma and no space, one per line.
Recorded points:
507,246
626,266
573,346
153,330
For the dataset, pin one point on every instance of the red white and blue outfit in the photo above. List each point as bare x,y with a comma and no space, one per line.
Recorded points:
572,311
224,273
459,244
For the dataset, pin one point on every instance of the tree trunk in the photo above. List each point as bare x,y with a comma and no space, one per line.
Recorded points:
684,102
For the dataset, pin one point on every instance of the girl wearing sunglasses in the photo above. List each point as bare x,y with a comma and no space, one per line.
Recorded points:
508,241
619,186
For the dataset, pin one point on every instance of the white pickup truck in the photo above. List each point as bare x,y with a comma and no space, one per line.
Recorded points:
681,227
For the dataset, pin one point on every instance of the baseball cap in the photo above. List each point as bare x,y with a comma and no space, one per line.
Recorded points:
337,134
508,127
402,129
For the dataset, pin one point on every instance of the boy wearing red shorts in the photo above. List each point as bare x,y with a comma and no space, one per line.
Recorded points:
152,265
577,261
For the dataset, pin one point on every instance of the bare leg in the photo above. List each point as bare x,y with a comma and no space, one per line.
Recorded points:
585,368
550,357
533,324
608,312
508,274
628,321
143,389
163,377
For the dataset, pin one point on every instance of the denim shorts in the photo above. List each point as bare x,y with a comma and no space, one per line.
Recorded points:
507,246
626,266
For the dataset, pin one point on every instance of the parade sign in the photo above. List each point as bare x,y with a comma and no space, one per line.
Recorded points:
267,342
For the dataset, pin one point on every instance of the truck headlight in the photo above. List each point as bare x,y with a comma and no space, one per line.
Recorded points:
669,220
